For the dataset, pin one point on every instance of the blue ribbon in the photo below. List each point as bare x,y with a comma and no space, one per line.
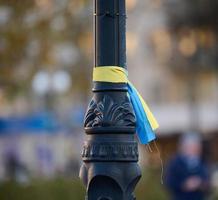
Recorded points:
143,127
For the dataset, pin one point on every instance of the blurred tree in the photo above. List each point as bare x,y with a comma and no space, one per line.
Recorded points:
36,34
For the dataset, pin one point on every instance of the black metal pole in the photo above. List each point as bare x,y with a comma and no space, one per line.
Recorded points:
110,154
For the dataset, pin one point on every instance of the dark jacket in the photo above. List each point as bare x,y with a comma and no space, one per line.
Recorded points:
177,173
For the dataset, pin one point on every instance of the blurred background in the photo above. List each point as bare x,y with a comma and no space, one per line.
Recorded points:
46,60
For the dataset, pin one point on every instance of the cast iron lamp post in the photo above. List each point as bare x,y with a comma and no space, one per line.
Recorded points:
110,154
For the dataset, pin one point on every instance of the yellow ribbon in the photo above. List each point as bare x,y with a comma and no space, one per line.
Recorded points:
112,74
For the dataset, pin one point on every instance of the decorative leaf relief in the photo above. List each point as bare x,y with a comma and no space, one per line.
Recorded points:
107,113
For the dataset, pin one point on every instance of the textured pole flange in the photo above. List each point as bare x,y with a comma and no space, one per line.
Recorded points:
110,154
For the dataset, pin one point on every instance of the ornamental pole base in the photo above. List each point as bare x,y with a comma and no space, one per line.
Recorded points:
110,170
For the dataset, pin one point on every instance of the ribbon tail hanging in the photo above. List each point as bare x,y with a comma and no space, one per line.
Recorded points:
145,121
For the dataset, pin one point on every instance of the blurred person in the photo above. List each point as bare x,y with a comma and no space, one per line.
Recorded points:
12,164
187,175
14,168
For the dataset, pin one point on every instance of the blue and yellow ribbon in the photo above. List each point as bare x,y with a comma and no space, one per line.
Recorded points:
145,120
